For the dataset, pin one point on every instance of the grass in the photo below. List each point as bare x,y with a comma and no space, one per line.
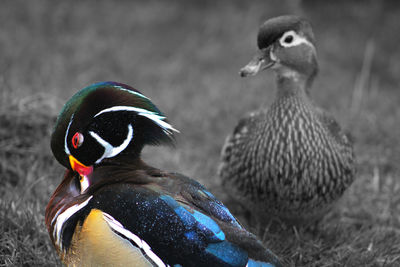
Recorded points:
185,55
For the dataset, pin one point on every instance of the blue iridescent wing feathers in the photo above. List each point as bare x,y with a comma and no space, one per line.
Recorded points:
174,223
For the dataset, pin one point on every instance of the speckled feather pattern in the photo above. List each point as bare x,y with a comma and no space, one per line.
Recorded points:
290,160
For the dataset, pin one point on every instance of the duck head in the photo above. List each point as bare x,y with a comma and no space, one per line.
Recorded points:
286,44
104,121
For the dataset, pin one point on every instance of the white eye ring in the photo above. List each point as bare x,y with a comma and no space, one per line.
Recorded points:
291,38
287,39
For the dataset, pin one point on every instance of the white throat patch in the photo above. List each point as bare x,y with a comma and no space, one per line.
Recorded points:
84,182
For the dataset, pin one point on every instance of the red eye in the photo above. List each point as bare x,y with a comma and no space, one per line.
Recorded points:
77,140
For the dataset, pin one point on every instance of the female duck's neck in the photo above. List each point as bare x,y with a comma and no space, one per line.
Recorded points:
293,84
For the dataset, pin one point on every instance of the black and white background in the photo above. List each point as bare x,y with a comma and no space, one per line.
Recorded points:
185,55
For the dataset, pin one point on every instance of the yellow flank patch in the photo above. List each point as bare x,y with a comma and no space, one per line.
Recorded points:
95,244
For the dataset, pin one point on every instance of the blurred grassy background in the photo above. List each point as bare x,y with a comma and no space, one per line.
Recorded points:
185,55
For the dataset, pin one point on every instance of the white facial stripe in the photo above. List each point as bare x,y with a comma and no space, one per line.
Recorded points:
297,40
167,128
63,217
66,149
159,120
131,92
117,227
125,108
109,150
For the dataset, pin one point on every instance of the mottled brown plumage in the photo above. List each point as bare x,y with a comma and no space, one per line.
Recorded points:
291,160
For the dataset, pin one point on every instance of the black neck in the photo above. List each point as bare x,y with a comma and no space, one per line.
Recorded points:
132,159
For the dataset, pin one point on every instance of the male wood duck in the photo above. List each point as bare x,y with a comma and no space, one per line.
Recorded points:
112,209
291,160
